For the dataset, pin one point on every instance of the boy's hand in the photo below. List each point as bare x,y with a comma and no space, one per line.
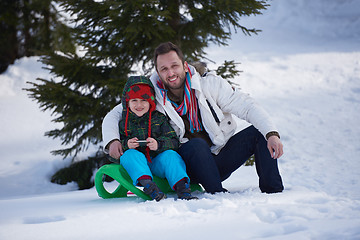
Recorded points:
152,144
132,144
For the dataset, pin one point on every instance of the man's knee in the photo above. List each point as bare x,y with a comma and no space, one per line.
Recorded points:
253,131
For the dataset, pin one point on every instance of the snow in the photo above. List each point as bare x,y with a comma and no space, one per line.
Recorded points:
304,69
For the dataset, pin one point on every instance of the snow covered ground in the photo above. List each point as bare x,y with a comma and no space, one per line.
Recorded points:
304,69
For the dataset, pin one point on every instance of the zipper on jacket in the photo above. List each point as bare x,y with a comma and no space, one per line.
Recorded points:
213,112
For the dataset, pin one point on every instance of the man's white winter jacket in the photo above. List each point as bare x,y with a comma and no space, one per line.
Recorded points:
224,100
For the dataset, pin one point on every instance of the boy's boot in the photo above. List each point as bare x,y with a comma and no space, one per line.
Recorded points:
183,190
151,189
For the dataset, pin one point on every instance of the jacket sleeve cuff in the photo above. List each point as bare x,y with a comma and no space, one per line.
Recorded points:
272,133
107,145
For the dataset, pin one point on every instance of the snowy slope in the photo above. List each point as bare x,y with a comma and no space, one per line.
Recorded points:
304,69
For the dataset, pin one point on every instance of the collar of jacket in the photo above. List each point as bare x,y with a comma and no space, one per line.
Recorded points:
134,118
195,79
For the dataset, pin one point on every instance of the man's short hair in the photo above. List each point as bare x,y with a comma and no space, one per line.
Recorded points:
166,47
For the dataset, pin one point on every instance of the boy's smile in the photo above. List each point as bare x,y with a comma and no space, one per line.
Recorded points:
139,106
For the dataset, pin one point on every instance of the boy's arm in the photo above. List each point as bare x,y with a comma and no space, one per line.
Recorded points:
124,142
110,126
168,139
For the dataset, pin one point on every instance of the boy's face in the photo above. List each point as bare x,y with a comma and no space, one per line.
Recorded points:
139,106
171,70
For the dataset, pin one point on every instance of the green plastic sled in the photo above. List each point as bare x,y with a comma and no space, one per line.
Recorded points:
118,173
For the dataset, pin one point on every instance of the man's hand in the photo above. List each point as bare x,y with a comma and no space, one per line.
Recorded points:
275,147
115,149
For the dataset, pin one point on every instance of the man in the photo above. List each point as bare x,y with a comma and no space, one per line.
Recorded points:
200,111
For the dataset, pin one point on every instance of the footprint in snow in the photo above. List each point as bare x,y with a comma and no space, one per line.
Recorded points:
40,220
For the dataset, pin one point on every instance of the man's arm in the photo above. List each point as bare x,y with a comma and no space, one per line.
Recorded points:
240,104
245,107
110,132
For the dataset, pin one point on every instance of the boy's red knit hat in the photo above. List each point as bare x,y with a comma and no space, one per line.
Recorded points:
142,91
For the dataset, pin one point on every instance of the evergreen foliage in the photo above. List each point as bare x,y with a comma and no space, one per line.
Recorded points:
115,38
228,70
81,172
250,161
28,28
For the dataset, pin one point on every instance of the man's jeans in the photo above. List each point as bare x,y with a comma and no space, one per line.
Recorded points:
210,170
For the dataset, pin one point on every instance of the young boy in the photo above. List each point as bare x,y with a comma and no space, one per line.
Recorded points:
156,152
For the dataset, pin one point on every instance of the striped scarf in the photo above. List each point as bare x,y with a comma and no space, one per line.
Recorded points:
189,106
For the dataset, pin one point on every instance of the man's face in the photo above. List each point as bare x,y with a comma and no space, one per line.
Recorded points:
171,70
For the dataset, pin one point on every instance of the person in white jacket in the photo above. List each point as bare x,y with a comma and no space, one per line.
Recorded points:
200,110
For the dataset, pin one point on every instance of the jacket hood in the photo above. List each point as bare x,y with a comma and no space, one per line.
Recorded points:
133,80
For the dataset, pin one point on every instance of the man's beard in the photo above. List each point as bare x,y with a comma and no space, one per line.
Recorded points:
177,87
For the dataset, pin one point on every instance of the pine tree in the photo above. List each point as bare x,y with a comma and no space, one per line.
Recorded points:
28,28
116,38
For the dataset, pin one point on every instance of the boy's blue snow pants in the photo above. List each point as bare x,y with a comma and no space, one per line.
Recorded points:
167,164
